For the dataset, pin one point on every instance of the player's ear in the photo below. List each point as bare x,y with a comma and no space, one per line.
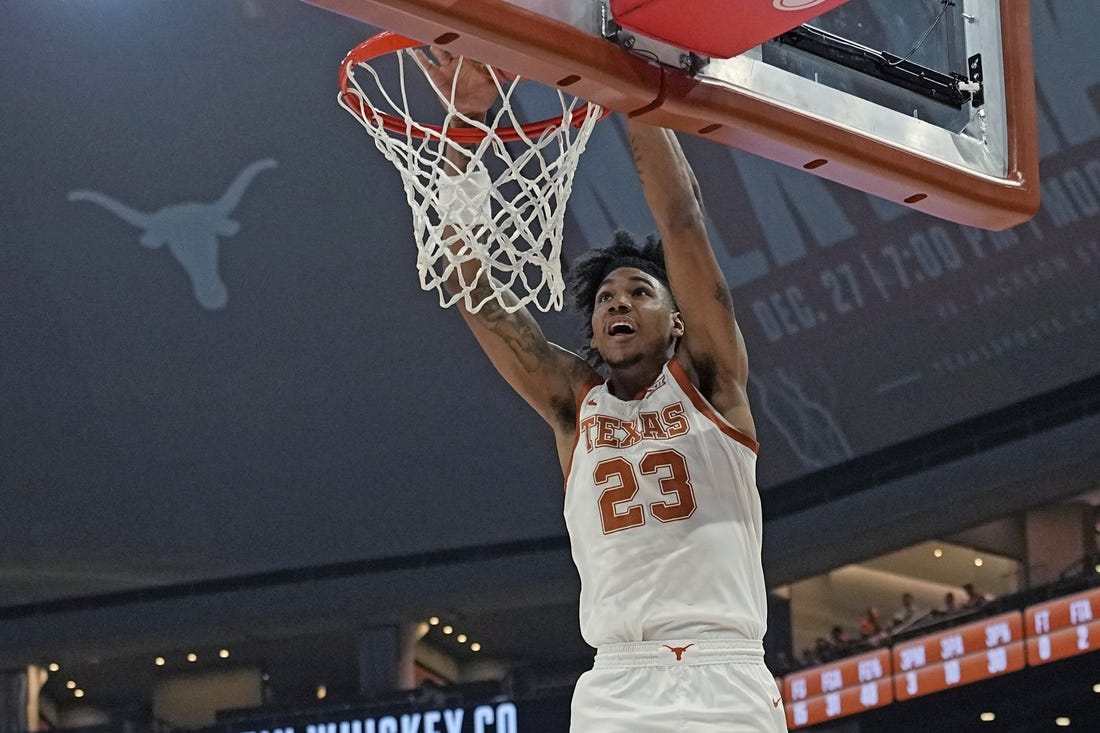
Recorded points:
677,324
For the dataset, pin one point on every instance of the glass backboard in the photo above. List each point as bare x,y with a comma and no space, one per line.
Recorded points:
928,103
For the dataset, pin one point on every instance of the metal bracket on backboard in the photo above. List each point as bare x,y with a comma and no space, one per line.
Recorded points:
943,87
977,91
648,48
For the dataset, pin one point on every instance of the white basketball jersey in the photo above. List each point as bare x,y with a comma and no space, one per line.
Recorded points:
664,517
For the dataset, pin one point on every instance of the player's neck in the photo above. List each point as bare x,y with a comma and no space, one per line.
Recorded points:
628,382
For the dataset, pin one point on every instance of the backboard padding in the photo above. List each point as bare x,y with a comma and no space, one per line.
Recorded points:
686,24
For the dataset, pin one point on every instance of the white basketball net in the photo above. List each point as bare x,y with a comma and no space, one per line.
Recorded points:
506,211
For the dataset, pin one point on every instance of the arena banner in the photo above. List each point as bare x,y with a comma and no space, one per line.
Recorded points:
486,716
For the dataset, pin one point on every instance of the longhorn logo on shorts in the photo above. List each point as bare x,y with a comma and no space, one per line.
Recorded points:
795,4
678,650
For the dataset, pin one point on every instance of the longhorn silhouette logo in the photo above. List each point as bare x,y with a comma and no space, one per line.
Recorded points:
678,650
190,230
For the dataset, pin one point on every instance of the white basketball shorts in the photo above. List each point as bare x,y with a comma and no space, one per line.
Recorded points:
693,686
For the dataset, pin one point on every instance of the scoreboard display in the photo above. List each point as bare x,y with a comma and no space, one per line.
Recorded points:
846,687
1063,627
959,656
999,645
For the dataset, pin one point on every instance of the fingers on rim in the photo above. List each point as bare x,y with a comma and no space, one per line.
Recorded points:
442,54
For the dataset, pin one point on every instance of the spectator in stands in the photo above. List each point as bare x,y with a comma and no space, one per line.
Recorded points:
840,643
973,597
907,613
949,605
870,626
823,650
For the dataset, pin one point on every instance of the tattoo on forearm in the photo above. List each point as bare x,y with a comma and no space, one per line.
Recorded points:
518,332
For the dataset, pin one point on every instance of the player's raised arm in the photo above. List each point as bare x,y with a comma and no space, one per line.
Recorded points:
712,346
544,374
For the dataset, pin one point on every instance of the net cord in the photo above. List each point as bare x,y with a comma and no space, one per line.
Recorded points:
511,222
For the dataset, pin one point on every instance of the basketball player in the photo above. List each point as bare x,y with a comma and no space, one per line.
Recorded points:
657,443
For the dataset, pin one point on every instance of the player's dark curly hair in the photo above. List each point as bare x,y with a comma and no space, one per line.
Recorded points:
589,270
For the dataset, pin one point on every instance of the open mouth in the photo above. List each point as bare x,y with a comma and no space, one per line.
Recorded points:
622,328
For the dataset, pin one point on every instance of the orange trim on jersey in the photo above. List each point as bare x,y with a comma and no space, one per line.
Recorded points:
677,370
590,385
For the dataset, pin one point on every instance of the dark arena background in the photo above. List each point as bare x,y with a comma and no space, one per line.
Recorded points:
248,468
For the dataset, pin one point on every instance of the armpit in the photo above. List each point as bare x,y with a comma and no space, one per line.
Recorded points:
706,375
565,412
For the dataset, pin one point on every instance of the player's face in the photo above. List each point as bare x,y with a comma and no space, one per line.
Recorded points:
633,318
